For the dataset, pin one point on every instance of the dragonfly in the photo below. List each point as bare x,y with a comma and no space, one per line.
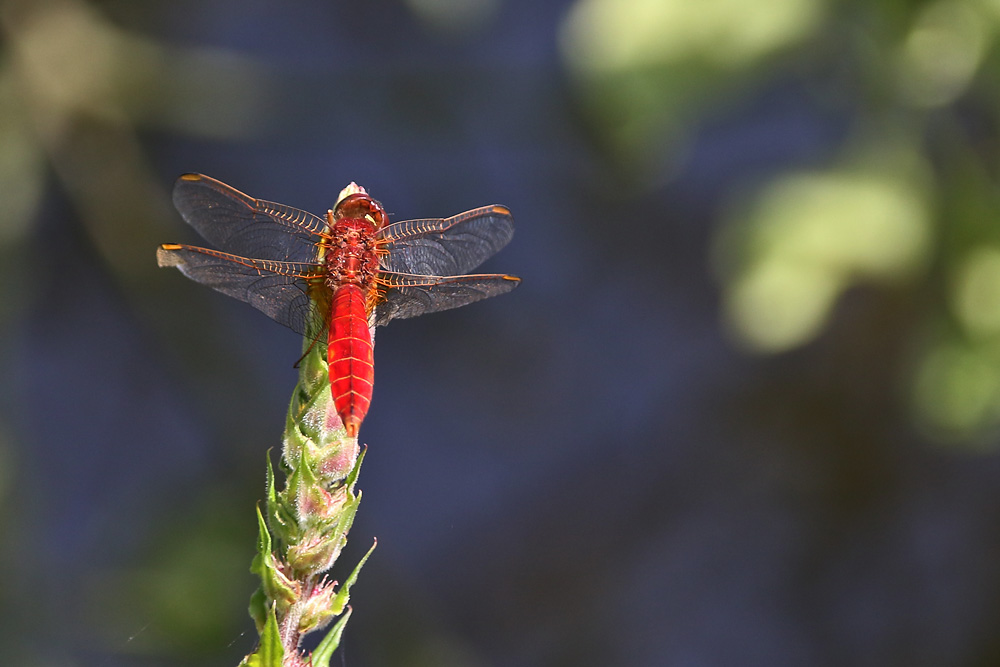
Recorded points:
339,276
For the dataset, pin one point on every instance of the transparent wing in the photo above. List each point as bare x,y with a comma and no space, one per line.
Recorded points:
242,225
405,295
446,247
280,290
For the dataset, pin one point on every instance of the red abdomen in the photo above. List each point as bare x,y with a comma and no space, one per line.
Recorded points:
350,355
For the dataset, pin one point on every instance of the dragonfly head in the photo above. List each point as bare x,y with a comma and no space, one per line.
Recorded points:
361,206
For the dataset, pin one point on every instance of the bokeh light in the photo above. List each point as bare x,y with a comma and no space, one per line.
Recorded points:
807,237
642,66
943,50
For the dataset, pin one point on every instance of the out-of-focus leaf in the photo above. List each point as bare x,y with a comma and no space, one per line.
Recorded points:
643,67
809,235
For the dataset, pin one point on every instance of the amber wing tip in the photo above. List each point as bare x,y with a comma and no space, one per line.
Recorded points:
165,255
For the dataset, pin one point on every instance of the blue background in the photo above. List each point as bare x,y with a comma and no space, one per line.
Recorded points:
592,470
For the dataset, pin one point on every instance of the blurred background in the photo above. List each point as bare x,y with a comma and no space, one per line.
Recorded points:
744,409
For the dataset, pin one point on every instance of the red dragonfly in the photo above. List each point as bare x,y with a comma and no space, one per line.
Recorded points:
340,276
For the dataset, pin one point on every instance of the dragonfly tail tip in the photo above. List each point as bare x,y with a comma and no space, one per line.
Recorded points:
351,425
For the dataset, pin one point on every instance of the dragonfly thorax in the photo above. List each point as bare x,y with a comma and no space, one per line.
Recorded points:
351,257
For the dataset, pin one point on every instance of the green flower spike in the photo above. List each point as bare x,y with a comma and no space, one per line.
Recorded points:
305,526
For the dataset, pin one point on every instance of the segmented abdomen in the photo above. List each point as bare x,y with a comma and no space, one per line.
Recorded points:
350,355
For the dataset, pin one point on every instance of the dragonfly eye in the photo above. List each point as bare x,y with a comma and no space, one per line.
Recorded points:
359,206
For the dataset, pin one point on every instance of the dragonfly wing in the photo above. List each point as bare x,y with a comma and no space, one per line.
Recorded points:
406,295
280,290
240,224
449,246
